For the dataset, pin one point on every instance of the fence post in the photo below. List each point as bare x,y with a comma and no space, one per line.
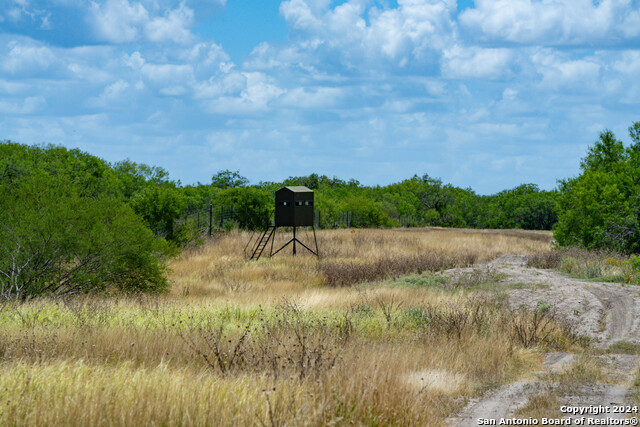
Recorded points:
221,215
210,219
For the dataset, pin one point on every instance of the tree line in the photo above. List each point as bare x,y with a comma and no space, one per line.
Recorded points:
423,199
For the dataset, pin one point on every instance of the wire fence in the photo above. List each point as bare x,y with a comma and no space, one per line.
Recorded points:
211,219
208,220
350,219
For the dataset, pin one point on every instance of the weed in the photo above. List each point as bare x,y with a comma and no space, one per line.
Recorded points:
545,403
424,280
347,273
550,259
588,264
478,278
584,369
219,350
287,342
388,309
363,310
454,320
542,306
416,316
232,284
624,347
540,327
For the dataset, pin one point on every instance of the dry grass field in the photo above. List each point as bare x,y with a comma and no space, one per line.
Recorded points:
369,334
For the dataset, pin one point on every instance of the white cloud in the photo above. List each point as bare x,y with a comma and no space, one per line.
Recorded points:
356,30
118,21
267,57
88,71
628,63
476,63
111,95
630,27
257,97
225,85
28,105
509,94
121,21
27,57
208,59
46,23
164,73
623,76
135,60
173,27
559,22
312,98
299,15
115,89
206,54
8,87
169,79
559,71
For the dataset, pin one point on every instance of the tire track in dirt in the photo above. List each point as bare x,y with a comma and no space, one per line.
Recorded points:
496,404
588,305
606,312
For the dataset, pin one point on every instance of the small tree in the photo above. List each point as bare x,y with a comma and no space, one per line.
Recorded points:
601,207
160,205
55,241
253,206
228,179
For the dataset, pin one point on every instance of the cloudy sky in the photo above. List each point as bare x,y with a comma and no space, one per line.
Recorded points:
486,94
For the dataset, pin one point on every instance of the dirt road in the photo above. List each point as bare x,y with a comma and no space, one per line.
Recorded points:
608,313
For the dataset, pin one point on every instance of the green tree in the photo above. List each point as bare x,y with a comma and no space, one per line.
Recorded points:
366,212
524,206
160,205
134,177
228,179
253,207
56,240
601,207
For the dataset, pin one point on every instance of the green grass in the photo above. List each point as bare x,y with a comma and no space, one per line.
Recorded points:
624,347
424,280
468,282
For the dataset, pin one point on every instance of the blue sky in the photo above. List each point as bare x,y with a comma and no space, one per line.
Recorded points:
486,94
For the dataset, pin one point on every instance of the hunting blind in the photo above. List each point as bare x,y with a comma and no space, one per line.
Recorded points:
294,208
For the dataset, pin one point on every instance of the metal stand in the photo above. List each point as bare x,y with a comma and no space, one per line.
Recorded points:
294,240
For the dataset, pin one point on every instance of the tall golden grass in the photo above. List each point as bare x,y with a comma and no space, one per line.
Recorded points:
370,354
219,268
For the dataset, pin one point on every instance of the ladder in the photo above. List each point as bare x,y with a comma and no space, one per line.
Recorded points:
262,242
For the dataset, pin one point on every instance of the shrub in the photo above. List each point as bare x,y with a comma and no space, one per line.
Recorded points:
474,316
540,326
55,241
547,260
253,206
345,273
283,344
599,208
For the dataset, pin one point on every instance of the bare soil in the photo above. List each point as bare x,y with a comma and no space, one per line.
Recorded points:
608,313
